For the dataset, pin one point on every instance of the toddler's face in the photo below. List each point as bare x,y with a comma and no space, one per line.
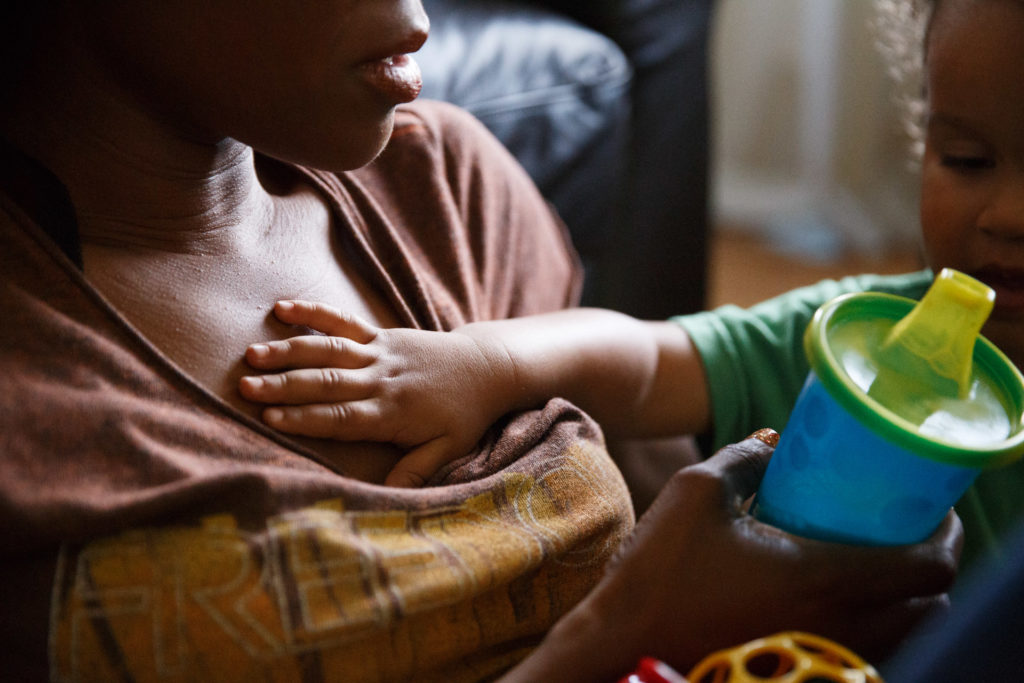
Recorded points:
972,191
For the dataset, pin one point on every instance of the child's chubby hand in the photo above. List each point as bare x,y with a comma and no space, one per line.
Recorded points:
434,393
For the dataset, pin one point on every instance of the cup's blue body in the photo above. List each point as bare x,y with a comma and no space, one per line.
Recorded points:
833,478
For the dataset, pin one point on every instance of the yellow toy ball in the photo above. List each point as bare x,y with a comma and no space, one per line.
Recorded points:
788,657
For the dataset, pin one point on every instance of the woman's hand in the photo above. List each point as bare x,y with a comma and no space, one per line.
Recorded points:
699,574
435,393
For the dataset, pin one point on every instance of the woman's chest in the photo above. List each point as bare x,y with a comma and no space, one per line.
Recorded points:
203,315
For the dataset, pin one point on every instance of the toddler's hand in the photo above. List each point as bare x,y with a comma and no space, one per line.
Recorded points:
434,393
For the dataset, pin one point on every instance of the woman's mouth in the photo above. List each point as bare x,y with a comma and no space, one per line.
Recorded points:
397,77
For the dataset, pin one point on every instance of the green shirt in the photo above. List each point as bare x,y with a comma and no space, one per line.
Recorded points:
755,365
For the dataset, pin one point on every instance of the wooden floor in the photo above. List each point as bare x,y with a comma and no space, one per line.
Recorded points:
743,270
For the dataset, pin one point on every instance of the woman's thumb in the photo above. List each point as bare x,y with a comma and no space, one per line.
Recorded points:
743,464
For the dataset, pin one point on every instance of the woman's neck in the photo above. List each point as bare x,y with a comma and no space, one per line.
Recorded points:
135,178
189,236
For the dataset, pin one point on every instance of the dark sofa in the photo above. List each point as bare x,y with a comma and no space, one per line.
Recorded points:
605,103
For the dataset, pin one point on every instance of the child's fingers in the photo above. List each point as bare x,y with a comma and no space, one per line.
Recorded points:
326,319
310,351
351,421
419,464
310,385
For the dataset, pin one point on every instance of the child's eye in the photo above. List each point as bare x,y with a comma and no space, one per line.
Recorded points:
967,162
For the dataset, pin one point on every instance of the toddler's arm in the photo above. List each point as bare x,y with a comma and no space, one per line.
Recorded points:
436,393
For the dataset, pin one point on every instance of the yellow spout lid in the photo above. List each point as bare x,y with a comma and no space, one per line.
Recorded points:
934,343
939,388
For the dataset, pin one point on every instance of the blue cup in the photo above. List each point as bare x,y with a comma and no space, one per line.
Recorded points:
848,468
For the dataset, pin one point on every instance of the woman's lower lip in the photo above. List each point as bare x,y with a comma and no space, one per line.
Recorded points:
397,78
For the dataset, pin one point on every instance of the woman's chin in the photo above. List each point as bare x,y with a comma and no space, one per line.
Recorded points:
358,146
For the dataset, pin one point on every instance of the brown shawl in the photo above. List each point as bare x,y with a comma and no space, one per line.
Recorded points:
150,532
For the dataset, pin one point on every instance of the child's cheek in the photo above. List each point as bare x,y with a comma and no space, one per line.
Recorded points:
946,226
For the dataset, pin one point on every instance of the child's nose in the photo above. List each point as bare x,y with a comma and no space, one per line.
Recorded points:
1003,215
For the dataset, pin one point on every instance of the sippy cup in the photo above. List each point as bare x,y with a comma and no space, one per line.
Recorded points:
904,406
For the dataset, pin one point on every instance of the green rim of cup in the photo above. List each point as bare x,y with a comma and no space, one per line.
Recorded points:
993,363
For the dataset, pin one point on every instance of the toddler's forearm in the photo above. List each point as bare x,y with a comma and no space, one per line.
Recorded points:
635,378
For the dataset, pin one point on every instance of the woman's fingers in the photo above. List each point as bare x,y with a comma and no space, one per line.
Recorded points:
876,631
695,553
883,574
887,573
326,319
310,385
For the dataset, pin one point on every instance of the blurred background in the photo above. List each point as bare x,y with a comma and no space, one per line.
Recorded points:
811,171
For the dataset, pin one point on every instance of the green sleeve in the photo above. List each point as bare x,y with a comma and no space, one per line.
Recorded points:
754,357
755,366
992,508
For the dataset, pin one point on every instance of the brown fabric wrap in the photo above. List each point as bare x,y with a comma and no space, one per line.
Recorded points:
151,532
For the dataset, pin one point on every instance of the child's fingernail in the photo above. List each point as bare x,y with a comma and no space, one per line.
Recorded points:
259,350
766,435
254,383
273,415
285,305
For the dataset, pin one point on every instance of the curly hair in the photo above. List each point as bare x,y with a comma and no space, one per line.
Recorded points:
901,28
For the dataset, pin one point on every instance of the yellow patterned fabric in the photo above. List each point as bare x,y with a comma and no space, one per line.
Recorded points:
454,592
